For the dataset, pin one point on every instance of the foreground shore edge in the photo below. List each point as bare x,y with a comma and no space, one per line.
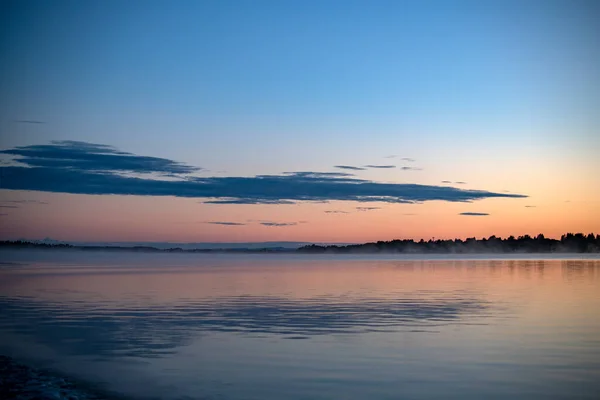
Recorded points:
24,382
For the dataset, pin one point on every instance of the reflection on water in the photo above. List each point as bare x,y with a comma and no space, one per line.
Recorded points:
103,329
210,327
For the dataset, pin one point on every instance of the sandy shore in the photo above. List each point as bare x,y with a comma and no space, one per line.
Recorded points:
22,382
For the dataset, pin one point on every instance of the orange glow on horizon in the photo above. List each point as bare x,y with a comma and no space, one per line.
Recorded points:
166,219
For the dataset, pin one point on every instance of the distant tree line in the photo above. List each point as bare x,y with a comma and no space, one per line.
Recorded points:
27,244
568,243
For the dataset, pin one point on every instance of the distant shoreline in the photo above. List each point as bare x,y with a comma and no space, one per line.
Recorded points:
142,249
568,243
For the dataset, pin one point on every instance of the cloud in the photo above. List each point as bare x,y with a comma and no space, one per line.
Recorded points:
248,201
530,206
24,201
225,223
317,175
3,214
279,224
474,214
28,121
367,208
336,212
408,159
350,167
92,169
3,206
90,157
411,169
446,182
380,166
391,156
460,183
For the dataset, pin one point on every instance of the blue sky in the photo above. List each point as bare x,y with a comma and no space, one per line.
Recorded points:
243,88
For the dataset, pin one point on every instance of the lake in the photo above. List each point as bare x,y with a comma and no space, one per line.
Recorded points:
190,326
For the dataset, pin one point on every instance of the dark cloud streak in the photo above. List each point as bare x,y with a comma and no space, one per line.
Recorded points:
93,169
349,167
279,224
248,201
380,166
24,202
411,169
29,121
82,156
225,223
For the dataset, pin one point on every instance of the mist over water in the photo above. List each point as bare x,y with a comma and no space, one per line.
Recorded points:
294,327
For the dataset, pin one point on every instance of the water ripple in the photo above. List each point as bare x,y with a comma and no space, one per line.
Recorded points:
107,328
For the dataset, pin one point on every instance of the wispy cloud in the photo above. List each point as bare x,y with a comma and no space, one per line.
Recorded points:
225,223
349,167
86,168
336,212
24,202
4,206
28,121
446,182
474,214
460,183
380,166
411,169
367,208
248,201
530,206
407,159
279,224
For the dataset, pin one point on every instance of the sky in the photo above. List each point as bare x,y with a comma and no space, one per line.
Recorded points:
319,121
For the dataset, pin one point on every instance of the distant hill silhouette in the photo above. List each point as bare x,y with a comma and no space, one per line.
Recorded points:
24,244
568,243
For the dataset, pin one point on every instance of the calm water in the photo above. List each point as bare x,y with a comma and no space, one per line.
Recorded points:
290,327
